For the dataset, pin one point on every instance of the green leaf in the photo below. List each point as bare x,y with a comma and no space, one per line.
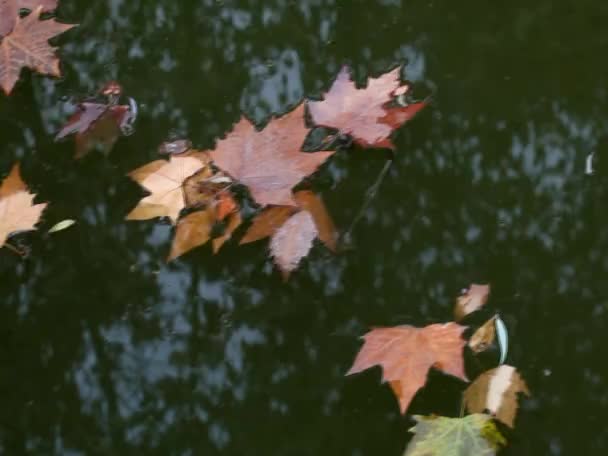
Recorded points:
440,436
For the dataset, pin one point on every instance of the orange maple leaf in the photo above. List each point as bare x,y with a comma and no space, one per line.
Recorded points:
25,44
269,162
407,353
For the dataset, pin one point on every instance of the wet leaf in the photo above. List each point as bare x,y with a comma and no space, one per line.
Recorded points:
503,338
365,114
164,180
269,162
293,230
496,391
407,353
483,337
25,45
9,11
17,209
473,435
63,225
470,301
192,231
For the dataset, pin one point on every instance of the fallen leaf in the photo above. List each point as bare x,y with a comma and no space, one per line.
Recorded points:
9,11
269,162
473,435
25,44
192,231
407,353
483,337
365,114
234,221
17,211
164,180
63,225
293,230
471,300
496,391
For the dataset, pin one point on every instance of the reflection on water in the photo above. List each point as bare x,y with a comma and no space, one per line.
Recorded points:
107,350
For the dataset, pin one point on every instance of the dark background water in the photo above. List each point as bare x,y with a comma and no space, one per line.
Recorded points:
107,350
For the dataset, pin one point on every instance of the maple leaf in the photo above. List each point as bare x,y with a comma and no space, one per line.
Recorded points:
496,391
441,436
473,299
9,11
17,211
293,230
365,114
25,44
269,162
407,353
164,180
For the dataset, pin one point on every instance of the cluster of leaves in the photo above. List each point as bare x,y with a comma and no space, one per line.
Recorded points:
406,354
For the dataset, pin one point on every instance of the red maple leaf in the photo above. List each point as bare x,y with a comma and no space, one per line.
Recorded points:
407,353
370,114
269,162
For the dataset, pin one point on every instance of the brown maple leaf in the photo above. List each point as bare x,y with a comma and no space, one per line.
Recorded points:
164,180
17,211
367,114
25,44
407,353
293,230
269,162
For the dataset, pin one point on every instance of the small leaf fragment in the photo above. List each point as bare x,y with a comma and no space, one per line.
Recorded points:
496,391
292,241
503,338
63,225
473,435
471,300
483,337
192,231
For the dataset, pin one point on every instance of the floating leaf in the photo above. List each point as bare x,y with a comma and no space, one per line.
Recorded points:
407,353
192,231
473,435
496,391
473,299
503,338
24,44
365,114
269,162
63,225
17,210
483,337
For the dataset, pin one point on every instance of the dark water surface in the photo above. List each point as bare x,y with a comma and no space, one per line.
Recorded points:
107,350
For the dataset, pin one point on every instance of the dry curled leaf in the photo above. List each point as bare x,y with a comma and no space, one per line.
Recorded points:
484,336
293,230
369,114
496,391
17,210
407,353
25,44
269,162
471,300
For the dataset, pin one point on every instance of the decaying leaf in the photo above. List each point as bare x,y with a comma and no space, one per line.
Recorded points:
471,300
496,391
17,211
407,353
269,162
483,337
25,42
366,114
293,230
473,435
164,180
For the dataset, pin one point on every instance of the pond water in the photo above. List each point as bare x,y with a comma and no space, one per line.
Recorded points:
106,349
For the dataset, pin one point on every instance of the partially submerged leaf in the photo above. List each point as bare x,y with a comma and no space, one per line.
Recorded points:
473,435
483,337
63,225
164,179
471,300
496,391
17,210
192,231
407,353
25,45
365,114
269,162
